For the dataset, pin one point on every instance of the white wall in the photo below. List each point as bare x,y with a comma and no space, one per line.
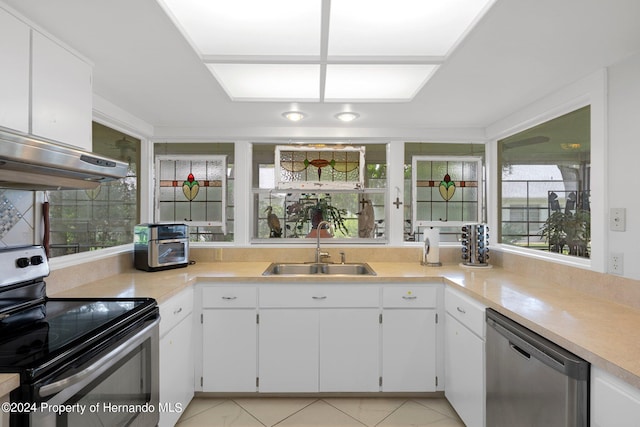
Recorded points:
624,157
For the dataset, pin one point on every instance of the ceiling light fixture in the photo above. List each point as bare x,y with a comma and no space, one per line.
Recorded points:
347,116
294,116
375,50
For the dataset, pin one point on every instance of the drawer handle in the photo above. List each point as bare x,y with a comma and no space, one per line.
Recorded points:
178,311
461,310
229,298
320,297
409,297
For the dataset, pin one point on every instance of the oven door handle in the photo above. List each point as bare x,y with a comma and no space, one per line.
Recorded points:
102,364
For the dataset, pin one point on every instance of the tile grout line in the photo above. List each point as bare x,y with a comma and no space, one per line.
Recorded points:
291,414
180,420
392,412
457,417
350,416
248,413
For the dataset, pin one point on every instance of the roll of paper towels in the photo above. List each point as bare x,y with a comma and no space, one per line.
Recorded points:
432,246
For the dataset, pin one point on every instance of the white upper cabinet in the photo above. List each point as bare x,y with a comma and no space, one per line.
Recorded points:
61,94
46,89
14,73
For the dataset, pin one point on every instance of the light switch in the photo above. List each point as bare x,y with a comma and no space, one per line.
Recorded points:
617,220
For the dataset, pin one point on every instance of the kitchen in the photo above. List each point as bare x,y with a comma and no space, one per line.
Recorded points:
538,71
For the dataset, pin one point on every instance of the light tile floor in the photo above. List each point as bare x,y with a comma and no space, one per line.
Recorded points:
319,412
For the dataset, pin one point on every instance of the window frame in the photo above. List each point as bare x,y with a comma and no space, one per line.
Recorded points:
414,191
222,223
589,91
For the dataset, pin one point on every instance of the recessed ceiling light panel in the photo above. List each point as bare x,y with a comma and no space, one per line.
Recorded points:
249,27
375,82
269,82
400,27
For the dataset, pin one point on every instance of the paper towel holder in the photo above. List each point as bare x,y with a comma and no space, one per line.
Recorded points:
425,252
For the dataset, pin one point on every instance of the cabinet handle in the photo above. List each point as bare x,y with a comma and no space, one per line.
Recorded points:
409,297
178,311
229,298
461,310
322,297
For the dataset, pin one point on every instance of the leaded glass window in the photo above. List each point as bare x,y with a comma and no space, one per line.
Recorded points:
319,167
446,190
191,190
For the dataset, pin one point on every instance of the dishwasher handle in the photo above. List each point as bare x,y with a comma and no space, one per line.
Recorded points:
528,342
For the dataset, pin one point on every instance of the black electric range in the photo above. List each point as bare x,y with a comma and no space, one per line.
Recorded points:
53,343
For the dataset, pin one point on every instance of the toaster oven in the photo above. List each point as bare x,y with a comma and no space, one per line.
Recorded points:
161,246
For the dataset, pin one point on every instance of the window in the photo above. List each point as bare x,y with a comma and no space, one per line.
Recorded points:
86,220
444,187
194,185
545,186
191,189
293,213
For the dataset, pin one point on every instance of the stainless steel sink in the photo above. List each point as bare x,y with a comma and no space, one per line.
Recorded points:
304,269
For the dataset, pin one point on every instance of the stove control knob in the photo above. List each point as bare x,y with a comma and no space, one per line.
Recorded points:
37,260
23,262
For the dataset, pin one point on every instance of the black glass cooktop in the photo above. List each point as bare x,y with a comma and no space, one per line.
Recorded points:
46,331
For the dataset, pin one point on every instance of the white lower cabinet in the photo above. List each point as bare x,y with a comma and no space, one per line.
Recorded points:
319,350
614,403
229,350
409,340
349,350
310,338
288,360
229,339
465,357
176,357
409,350
319,339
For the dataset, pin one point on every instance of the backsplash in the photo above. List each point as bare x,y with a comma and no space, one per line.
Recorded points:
17,217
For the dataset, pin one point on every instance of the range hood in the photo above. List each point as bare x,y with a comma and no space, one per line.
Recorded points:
30,163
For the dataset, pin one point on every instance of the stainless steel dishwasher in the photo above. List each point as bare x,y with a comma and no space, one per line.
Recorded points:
530,380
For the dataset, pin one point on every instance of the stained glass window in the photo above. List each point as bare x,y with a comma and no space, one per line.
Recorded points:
446,190
191,190
319,167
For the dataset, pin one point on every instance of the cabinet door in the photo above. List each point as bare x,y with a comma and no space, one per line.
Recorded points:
464,372
288,342
229,352
61,94
349,350
176,370
614,403
14,73
409,350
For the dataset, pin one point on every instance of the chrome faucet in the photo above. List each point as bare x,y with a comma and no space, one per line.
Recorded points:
319,254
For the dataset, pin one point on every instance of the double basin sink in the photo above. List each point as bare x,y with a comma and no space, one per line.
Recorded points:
304,269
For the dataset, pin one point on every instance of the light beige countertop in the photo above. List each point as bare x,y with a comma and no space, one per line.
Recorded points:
8,382
605,333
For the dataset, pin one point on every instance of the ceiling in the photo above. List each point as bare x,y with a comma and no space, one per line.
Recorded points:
323,51
518,52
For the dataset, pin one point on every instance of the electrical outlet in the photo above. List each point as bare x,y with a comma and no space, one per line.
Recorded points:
616,263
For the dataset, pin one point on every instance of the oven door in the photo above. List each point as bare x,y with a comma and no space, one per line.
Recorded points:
168,253
116,387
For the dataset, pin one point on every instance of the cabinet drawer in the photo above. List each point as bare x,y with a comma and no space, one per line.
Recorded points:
229,297
409,296
467,310
303,296
175,309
